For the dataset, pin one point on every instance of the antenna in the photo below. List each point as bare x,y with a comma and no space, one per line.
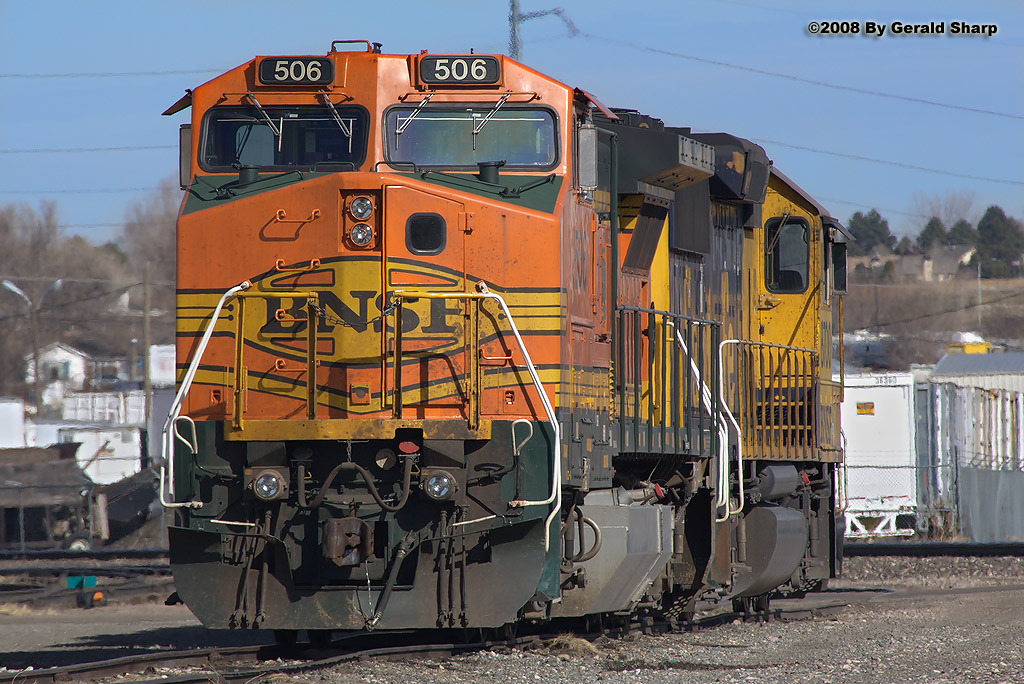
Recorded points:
515,18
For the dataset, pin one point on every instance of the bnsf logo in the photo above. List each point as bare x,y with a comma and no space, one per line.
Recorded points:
359,311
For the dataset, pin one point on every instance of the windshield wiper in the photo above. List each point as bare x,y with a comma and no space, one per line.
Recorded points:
483,122
413,114
515,192
778,233
346,130
263,113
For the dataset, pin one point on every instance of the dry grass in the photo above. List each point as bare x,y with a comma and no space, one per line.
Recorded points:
22,610
572,644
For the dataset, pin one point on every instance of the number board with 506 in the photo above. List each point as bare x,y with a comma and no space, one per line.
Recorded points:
459,70
296,71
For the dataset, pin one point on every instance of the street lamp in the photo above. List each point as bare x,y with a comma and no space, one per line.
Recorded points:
32,311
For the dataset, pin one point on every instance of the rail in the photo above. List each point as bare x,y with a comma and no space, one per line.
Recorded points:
668,381
555,497
240,387
170,430
722,486
775,390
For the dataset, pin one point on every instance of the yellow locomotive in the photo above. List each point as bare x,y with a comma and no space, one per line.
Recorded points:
459,346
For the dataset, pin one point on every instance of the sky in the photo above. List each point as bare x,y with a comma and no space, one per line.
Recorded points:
858,121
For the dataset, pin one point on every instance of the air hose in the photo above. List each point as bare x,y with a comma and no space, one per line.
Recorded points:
389,585
367,477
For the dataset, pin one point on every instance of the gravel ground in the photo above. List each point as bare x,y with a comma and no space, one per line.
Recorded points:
948,620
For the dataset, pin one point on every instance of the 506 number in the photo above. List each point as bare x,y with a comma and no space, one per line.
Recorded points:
296,71
450,69
460,70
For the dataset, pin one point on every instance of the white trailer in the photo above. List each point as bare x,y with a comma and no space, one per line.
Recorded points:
880,473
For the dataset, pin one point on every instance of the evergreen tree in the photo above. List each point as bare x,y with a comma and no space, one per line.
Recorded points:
1000,244
962,233
933,235
870,230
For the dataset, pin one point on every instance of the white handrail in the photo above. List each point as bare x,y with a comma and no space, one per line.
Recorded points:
724,476
556,464
170,430
722,491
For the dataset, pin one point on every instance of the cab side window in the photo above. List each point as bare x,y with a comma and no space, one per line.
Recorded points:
787,254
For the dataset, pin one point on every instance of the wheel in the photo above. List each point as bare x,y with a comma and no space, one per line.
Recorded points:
78,542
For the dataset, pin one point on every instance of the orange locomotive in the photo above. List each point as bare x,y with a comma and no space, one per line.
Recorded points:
446,324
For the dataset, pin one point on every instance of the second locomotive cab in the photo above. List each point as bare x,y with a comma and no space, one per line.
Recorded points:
460,346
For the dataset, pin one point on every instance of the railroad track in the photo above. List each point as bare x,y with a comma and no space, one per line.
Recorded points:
850,548
934,549
242,664
92,554
41,582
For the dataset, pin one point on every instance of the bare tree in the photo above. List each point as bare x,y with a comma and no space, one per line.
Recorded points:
148,238
149,232
949,207
28,236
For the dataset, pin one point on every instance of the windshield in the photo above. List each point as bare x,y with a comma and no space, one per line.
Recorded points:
787,255
279,138
465,136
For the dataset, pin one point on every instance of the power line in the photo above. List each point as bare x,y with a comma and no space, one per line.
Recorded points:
800,79
76,192
90,149
865,205
117,74
968,307
900,165
50,279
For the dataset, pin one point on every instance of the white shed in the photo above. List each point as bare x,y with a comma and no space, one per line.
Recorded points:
993,371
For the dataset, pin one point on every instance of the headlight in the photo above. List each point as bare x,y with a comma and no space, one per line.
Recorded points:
361,208
439,485
267,486
361,234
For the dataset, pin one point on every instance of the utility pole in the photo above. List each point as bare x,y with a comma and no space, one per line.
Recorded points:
515,18
979,295
147,341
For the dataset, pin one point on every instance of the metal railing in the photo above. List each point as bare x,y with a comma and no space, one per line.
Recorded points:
241,382
474,301
170,430
667,376
554,499
773,390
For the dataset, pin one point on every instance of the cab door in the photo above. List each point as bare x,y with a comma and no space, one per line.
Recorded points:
424,253
783,368
786,292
